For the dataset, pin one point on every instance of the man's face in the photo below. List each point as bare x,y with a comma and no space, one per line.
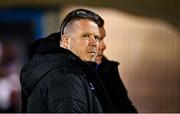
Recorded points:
84,39
101,46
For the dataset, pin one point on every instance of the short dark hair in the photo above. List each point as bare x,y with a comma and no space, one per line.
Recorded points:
81,14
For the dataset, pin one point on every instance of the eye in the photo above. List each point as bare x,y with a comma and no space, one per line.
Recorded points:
97,38
86,36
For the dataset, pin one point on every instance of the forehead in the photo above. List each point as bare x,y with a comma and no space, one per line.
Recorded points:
102,32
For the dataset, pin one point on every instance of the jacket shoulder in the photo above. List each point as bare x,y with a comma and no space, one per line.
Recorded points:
111,62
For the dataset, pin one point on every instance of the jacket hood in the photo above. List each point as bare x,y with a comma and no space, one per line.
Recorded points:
46,45
44,55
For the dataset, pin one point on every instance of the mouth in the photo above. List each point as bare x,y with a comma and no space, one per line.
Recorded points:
100,55
92,52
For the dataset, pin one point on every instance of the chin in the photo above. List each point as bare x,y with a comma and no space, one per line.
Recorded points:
98,60
92,59
99,57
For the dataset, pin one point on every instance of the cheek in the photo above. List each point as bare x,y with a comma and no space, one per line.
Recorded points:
101,45
80,46
83,43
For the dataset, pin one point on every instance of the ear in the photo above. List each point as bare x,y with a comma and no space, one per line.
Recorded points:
64,41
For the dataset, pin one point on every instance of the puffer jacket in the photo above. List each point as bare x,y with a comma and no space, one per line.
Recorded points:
56,80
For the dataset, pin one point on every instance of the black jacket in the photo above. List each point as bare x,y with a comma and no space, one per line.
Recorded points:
56,80
108,72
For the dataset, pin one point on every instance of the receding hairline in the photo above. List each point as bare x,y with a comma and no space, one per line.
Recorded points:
68,27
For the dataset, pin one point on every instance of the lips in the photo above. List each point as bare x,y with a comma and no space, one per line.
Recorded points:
92,51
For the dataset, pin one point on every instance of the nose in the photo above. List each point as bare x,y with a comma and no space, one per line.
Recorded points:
93,41
102,45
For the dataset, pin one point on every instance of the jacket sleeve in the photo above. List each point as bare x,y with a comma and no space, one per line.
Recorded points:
65,92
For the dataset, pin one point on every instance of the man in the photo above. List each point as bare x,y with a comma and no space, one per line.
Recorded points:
63,79
108,72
